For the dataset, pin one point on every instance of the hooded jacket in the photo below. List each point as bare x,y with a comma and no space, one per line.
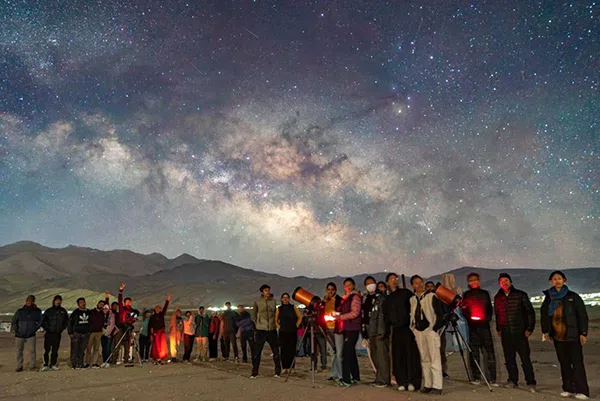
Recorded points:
263,313
350,313
79,322
26,321
574,316
514,312
55,319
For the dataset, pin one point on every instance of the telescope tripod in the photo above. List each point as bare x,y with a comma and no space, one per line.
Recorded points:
310,327
129,334
451,319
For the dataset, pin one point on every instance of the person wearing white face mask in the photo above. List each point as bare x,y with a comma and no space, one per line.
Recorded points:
375,330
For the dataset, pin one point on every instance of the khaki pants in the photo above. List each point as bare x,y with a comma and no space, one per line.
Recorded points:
202,348
428,342
93,351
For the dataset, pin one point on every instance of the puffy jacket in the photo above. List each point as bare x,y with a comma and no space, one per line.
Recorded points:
244,322
514,312
263,314
55,319
80,322
397,308
350,314
26,321
574,316
477,304
377,326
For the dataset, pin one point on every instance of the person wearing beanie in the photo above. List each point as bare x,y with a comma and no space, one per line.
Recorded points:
263,316
515,321
564,321
54,322
25,323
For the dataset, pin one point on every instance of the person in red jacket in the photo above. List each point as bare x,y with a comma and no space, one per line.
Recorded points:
125,309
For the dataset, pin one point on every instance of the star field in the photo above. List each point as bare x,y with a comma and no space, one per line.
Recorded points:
305,137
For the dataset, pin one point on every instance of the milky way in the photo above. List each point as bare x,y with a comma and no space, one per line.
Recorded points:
306,138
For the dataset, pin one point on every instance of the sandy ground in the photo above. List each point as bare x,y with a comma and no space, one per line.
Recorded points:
230,381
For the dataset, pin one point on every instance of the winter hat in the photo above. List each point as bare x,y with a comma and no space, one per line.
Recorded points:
57,297
505,275
264,287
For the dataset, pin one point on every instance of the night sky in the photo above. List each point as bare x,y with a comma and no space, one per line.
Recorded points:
305,137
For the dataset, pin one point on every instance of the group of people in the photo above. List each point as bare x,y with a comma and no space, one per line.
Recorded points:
403,329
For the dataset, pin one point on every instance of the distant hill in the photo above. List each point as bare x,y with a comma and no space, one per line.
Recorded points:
28,267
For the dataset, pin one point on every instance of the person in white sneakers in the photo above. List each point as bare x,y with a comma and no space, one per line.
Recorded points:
426,318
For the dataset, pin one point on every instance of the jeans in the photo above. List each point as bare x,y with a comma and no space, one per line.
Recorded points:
336,363
349,359
51,346
78,345
21,347
107,343
321,344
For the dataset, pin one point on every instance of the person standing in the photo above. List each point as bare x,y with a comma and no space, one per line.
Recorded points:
25,323
330,305
287,319
263,316
175,334
229,333
108,332
213,336
564,321
124,323
93,351
202,332
430,287
79,329
515,321
54,322
405,361
188,336
426,318
145,337
376,331
368,298
350,318
478,311
159,351
244,322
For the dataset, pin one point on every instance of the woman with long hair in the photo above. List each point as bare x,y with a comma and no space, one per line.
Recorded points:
287,319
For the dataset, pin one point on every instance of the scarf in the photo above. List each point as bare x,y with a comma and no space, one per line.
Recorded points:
556,297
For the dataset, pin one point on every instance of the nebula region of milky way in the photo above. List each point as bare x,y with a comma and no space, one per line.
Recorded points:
305,137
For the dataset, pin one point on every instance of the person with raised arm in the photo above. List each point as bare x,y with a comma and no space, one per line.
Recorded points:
159,352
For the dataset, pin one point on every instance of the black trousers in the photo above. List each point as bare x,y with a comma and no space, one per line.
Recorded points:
213,346
230,341
572,368
288,348
260,337
188,345
480,340
247,340
513,344
78,345
51,346
349,359
406,360
145,347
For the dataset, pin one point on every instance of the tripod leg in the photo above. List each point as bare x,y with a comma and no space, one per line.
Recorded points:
136,347
313,354
300,344
115,350
476,363
462,354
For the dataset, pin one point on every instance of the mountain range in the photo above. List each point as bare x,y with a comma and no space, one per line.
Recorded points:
30,268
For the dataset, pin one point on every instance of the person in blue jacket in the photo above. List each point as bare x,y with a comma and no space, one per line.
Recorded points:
25,323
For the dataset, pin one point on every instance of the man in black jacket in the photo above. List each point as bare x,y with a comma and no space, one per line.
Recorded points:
406,362
478,311
54,322
230,332
79,329
25,323
377,332
515,321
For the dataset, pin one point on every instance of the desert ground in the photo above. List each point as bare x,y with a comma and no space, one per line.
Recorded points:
229,380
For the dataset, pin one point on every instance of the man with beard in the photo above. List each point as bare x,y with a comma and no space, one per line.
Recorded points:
406,362
25,323
263,316
54,322
93,351
515,321
79,329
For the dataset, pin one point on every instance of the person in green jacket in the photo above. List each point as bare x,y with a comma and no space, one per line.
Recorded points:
202,332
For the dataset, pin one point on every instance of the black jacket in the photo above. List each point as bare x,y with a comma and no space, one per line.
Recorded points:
26,321
80,322
377,327
477,303
55,319
396,308
574,315
514,312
